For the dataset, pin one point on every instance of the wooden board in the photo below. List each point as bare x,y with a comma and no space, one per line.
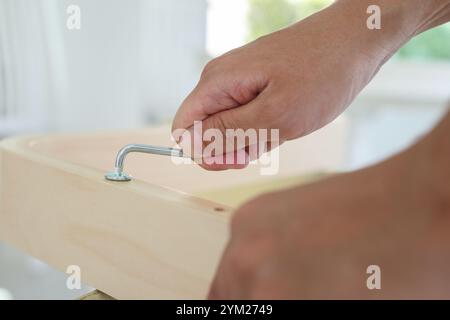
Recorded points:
96,295
146,239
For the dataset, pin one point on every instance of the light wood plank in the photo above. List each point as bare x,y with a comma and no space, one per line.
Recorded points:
149,238
132,240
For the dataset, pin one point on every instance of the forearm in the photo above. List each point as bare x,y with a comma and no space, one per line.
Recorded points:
401,20
344,27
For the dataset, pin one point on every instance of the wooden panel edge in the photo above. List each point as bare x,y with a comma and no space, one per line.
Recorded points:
131,241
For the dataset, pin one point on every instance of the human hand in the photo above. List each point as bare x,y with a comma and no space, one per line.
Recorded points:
297,79
316,241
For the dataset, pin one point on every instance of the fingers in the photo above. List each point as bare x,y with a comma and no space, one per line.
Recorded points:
220,88
228,139
227,98
237,159
196,108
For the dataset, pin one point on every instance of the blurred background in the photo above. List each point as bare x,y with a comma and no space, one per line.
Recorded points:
132,63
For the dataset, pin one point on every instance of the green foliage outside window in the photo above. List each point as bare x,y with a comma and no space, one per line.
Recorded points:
266,16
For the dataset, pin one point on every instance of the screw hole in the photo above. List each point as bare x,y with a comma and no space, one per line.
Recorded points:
219,209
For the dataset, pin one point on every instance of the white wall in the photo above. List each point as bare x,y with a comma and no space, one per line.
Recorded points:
173,53
133,61
24,76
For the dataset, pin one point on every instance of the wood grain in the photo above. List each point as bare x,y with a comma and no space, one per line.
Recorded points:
145,239
132,240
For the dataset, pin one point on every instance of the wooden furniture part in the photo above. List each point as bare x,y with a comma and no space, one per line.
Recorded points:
96,295
150,238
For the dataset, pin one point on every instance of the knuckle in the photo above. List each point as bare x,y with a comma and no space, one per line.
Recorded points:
209,67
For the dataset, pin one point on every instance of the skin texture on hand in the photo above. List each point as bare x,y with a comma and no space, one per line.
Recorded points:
295,80
316,241
302,77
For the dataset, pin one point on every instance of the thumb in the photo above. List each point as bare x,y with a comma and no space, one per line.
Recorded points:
223,141
213,144
229,139
220,141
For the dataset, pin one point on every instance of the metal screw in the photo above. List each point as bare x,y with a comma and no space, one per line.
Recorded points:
119,175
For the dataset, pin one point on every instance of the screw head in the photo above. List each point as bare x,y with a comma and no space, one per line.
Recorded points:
115,176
